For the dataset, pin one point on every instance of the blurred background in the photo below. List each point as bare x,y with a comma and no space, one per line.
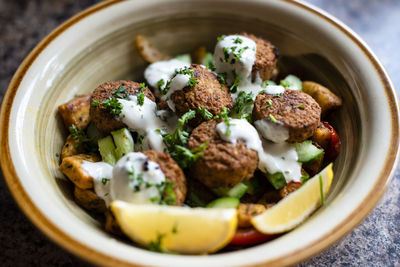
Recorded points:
375,242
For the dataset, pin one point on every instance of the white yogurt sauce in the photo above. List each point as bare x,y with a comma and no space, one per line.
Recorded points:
135,178
240,129
280,158
177,83
273,131
272,157
146,121
163,70
101,172
225,60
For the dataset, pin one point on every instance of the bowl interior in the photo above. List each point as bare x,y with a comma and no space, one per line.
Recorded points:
101,48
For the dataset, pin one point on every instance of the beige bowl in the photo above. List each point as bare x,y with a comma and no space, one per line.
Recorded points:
97,45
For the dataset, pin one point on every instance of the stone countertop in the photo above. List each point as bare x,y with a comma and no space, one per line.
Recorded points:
375,242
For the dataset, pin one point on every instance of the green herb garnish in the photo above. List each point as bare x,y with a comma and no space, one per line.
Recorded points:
234,86
269,104
112,105
104,180
82,139
272,118
321,190
121,92
243,106
238,40
186,157
95,103
203,112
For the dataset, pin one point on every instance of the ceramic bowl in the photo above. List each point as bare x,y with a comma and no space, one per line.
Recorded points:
97,45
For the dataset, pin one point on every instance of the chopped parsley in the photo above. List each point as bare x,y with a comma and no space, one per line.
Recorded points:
234,86
304,178
186,71
137,180
179,136
140,95
321,190
121,92
186,157
272,118
95,103
220,38
160,83
156,246
204,113
299,106
243,106
112,105
225,116
104,181
238,40
82,139
269,104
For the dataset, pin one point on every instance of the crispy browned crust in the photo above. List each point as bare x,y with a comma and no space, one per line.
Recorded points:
148,51
266,57
222,164
289,188
70,148
172,172
327,100
87,199
246,211
208,93
301,122
76,111
101,117
71,167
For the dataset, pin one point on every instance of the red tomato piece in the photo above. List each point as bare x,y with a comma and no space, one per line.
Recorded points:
334,146
249,236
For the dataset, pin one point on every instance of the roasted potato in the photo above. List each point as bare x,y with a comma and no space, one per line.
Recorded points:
289,188
324,97
70,148
87,199
322,136
147,51
246,211
76,111
71,167
111,225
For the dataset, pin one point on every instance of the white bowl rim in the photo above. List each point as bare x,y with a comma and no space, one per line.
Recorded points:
82,250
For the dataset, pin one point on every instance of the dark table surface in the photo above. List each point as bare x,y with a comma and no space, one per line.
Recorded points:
375,242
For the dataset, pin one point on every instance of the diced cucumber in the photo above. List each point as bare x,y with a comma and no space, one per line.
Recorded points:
123,141
253,185
224,203
307,152
277,180
93,133
292,82
185,58
107,149
237,191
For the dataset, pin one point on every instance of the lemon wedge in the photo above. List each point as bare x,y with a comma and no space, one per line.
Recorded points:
296,207
176,229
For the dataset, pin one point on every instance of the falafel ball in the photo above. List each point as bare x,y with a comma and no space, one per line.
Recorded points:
266,57
172,172
223,164
209,93
295,110
102,118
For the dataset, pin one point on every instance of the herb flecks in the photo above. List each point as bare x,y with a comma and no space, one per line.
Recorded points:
121,92
269,104
192,80
225,116
272,118
112,105
204,113
104,181
234,86
140,95
243,106
82,140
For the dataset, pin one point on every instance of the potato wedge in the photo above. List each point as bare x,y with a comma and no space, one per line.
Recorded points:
71,167
324,97
246,211
70,148
76,111
88,199
147,51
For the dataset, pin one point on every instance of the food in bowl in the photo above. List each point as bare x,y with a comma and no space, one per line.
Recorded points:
221,141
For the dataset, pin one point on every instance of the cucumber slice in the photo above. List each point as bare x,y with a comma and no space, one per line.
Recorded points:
237,191
185,58
107,148
224,203
292,82
307,152
123,141
277,180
